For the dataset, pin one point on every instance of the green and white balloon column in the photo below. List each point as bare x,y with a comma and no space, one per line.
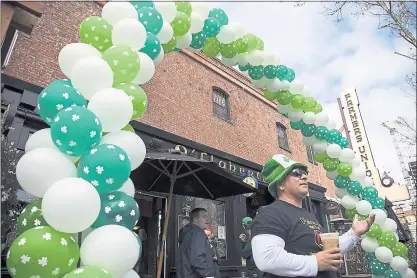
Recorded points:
89,115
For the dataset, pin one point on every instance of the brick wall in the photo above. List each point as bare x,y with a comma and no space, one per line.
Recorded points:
180,94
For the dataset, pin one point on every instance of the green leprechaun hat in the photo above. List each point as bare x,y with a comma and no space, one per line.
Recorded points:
276,169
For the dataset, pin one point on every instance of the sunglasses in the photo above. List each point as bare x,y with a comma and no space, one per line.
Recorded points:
298,173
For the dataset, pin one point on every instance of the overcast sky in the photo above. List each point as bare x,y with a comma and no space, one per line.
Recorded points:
328,57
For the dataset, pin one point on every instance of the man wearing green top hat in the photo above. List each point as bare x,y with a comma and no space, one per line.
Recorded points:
285,237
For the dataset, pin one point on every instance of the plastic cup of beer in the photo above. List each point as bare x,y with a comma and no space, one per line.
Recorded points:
329,240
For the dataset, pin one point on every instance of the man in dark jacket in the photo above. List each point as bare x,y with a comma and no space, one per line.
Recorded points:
195,258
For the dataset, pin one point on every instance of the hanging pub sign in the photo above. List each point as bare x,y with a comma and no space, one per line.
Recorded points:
252,182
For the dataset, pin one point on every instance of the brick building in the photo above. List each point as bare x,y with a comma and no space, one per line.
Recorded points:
195,104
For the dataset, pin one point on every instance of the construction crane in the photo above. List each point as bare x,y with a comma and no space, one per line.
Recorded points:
411,188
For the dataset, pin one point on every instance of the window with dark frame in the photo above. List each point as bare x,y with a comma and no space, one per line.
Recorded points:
310,154
282,137
8,45
221,105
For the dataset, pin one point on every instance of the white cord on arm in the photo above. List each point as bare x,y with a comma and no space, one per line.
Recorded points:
347,241
270,257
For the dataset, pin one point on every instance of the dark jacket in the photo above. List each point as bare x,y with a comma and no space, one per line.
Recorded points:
195,258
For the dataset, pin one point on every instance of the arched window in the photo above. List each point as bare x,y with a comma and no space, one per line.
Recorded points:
282,137
221,105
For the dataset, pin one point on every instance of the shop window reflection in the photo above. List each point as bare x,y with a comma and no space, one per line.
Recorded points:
217,227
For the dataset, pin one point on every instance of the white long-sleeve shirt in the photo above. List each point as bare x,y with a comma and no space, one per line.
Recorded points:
271,257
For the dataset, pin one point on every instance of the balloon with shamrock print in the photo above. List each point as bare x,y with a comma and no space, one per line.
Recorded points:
270,71
184,6
330,164
58,95
369,193
377,203
30,217
106,166
138,97
320,157
308,130
370,257
75,130
117,208
343,142
88,271
317,109
212,47
123,61
309,104
344,169
297,125
284,97
151,19
42,252
290,76
388,239
281,72
298,101
140,4
211,27
375,231
333,136
392,273
181,24
378,268
256,72
244,68
198,40
341,181
321,132
270,95
400,249
241,45
228,50
354,188
170,46
128,127
219,15
350,213
152,46
96,31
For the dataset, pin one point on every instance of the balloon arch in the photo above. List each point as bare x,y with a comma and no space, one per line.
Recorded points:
82,177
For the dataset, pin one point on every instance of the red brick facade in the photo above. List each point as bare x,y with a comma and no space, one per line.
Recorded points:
180,94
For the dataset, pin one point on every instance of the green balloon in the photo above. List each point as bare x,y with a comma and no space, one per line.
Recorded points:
58,95
330,164
392,273
88,271
211,27
290,76
297,125
260,44
242,45
256,72
138,97
343,142
334,136
284,97
270,71
252,41
321,133
309,104
181,24
400,249
378,268
30,217
341,181
370,257
320,157
308,130
281,72
344,169
219,15
170,46
388,239
244,68
354,188
128,127
375,231
317,109
350,213
107,167
151,19
140,4
228,50
75,130
212,47
298,101
369,193
117,208
43,252
96,31
270,95
152,46
123,61
184,6
198,40
377,203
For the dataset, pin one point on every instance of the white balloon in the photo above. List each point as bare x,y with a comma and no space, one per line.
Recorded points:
274,86
283,109
71,205
309,141
146,71
296,87
90,75
356,161
363,207
255,58
242,59
331,124
258,83
295,116
409,273
368,182
113,12
309,118
197,23
321,119
320,146
399,264
349,201
347,155
340,192
269,58
333,150
129,32
380,216
184,41
128,188
226,35
166,33
358,173
131,274
168,10
285,85
130,142
72,53
384,254
306,91
230,62
159,58
239,29
42,139
331,174
112,107
389,226
200,8
38,169
369,245
112,247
